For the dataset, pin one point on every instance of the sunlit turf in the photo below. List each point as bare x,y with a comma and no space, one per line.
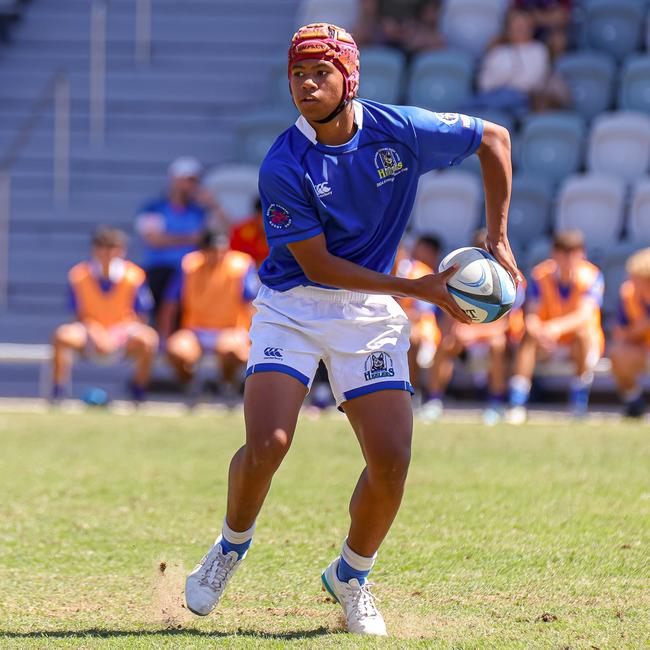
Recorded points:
534,537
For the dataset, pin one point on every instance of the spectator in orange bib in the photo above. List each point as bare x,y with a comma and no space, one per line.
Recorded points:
629,352
425,333
565,294
213,291
112,301
249,237
493,342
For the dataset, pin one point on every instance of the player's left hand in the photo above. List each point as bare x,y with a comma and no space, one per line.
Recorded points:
500,249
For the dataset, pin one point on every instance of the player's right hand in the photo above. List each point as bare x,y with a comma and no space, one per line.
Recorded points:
433,288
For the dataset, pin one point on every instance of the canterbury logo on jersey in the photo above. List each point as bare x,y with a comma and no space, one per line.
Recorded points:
273,353
323,190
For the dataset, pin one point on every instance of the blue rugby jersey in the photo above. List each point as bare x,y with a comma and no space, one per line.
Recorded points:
359,194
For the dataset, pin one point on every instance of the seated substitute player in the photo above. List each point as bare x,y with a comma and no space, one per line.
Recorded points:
111,300
629,351
492,340
565,294
337,190
213,290
422,315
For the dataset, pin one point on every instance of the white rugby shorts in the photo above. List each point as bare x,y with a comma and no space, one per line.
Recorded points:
363,339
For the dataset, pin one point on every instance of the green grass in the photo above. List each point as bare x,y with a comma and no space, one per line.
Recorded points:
536,537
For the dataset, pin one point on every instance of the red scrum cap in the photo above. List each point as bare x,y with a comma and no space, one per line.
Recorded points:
328,43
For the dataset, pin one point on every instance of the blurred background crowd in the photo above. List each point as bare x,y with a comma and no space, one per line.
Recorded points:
141,124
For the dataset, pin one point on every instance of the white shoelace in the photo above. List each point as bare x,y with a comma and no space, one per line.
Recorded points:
360,601
216,574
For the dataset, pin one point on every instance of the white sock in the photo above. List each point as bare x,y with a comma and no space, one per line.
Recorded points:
233,536
356,561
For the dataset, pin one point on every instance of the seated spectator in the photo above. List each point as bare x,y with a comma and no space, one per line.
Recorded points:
629,351
551,19
111,302
249,237
408,25
565,294
514,69
213,292
171,225
492,341
425,334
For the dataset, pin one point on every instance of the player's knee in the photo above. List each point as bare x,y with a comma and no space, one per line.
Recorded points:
267,450
390,468
65,335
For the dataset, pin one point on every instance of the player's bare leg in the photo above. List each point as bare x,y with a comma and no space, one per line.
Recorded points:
497,380
383,422
629,362
584,354
520,383
141,347
440,375
184,352
272,402
66,340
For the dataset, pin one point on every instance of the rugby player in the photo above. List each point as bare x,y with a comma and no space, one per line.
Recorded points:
337,190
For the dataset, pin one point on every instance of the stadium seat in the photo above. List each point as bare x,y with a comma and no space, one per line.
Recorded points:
619,145
471,24
383,71
343,13
552,145
498,117
594,204
448,205
638,225
614,26
235,187
530,209
257,132
441,81
590,76
538,251
634,91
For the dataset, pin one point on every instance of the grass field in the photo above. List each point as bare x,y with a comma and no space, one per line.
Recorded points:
508,538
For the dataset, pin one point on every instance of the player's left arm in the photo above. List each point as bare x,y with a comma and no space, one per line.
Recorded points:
495,155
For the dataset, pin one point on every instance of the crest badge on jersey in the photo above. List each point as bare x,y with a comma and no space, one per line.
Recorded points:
378,365
278,216
448,118
388,164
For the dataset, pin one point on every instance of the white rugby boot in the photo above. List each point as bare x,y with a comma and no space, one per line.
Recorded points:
361,613
206,584
517,415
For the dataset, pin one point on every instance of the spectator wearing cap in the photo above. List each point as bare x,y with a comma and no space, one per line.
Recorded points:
213,292
111,301
171,226
249,236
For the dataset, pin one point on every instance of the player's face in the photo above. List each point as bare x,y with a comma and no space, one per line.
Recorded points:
185,186
642,285
568,261
316,88
104,254
426,254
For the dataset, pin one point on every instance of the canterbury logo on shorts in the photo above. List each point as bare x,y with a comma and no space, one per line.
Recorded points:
273,353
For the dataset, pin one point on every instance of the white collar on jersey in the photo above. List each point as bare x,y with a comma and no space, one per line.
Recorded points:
308,130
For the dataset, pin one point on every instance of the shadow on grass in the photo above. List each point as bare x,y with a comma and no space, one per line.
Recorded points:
180,631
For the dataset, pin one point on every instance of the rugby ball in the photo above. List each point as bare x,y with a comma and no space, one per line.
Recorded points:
481,287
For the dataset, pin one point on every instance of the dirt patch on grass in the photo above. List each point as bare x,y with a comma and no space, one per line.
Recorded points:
168,603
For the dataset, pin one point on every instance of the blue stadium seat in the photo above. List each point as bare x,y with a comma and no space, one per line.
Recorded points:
235,187
590,76
552,145
634,91
257,132
470,25
448,205
594,204
343,13
441,81
619,145
614,26
538,251
638,226
382,74
530,209
498,117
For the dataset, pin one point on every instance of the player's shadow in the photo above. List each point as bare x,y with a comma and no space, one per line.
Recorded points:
96,633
